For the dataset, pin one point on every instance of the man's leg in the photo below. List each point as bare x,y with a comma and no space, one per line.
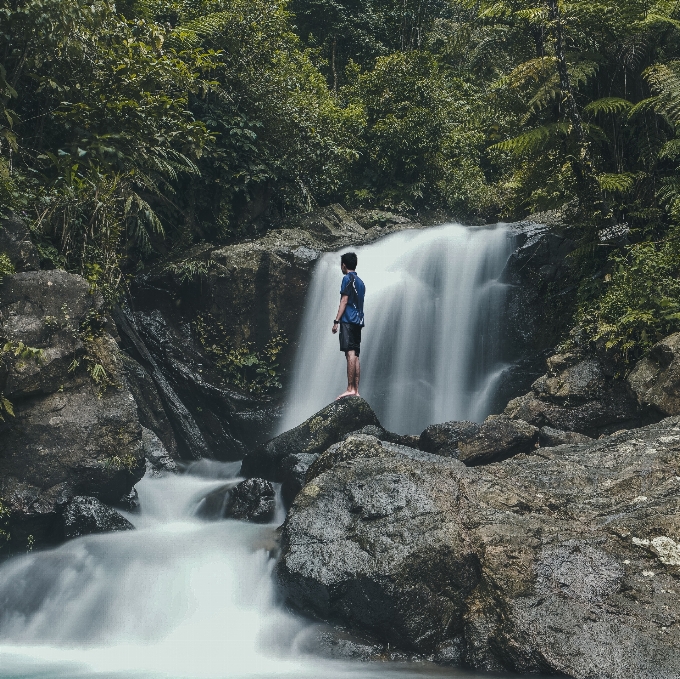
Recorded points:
357,375
352,368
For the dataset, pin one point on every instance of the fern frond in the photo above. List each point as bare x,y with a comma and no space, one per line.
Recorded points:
533,140
616,183
671,149
608,105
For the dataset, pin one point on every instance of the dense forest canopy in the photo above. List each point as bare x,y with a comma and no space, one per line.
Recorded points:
133,129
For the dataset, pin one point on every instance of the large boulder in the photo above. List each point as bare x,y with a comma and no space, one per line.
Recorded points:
579,394
655,380
87,515
75,429
287,457
498,438
560,562
375,543
443,439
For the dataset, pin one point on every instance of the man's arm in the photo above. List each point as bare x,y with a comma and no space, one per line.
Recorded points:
341,310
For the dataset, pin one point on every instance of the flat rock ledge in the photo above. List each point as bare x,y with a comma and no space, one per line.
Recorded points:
564,560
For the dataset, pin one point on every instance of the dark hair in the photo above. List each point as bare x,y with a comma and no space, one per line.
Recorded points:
349,259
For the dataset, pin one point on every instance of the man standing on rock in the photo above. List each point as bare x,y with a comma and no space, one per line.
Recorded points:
350,319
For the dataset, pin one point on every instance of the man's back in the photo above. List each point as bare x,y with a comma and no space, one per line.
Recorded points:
354,288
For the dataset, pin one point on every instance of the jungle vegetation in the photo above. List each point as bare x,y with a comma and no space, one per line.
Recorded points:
132,130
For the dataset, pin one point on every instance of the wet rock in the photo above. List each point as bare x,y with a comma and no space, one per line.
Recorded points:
158,460
312,437
579,395
70,435
16,243
564,561
152,412
86,515
293,471
442,439
250,500
130,502
549,437
655,380
498,438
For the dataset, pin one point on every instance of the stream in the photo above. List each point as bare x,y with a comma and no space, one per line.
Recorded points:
179,597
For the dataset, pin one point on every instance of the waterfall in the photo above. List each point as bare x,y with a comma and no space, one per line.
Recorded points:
432,348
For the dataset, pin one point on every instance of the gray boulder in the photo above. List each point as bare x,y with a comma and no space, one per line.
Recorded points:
498,438
655,380
443,439
310,438
250,500
70,435
580,395
561,562
87,515
16,243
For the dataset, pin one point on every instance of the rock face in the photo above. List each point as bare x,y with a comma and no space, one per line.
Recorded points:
250,500
443,439
86,515
158,460
580,395
75,429
252,292
564,561
656,379
287,457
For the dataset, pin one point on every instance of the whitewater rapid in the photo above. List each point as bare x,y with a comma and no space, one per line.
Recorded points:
179,597
432,348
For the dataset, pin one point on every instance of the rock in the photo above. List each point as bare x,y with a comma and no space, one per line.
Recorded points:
580,395
312,437
549,437
158,460
85,515
564,561
499,438
250,500
16,243
655,380
152,412
442,439
70,435
375,543
130,501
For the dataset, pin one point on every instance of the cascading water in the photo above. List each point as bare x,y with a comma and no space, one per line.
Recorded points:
432,346
177,597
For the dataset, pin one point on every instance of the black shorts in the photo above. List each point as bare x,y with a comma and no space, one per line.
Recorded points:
350,337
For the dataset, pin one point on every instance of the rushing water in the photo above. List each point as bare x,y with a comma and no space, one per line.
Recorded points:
432,346
178,597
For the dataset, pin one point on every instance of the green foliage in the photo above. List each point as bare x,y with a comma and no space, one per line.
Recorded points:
641,300
243,366
6,266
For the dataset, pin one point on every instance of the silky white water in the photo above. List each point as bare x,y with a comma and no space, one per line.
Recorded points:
432,347
177,597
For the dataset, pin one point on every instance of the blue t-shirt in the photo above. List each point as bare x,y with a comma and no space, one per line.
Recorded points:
354,288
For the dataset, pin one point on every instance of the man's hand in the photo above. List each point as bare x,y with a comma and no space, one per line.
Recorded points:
335,328
341,310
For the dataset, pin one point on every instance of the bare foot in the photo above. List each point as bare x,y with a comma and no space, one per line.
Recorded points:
346,393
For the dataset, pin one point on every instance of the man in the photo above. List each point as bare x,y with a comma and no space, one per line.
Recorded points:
350,320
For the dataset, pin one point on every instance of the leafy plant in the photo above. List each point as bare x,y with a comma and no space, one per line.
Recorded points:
243,366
